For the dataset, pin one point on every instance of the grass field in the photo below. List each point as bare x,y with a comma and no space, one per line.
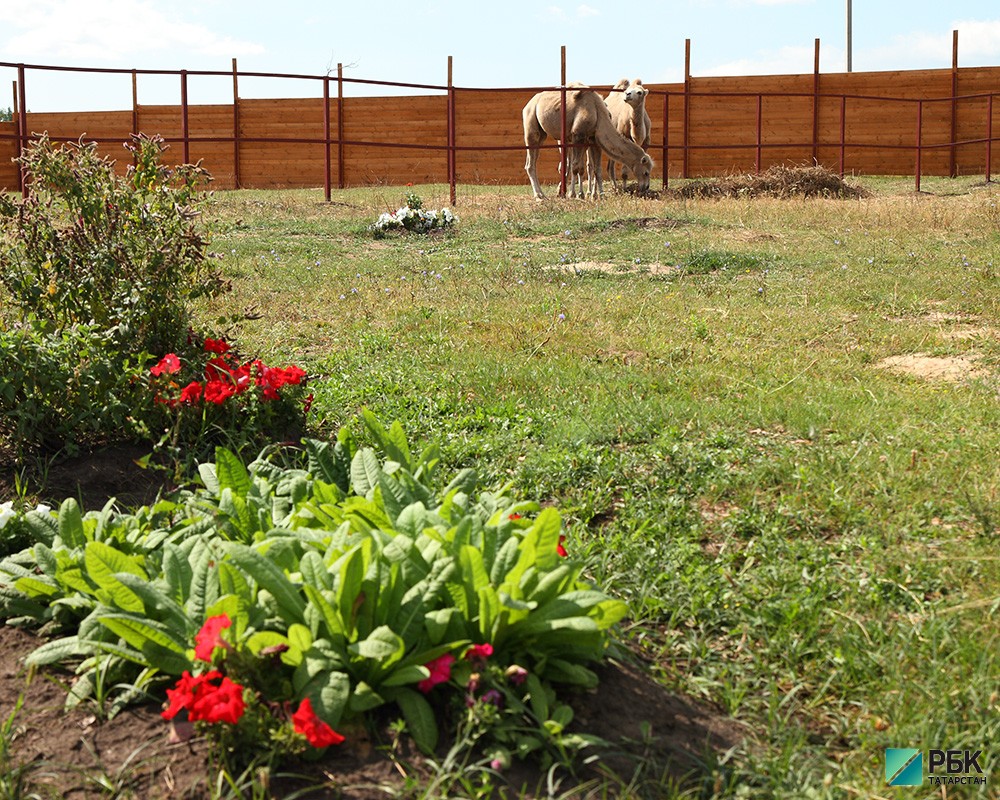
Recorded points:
807,536
772,426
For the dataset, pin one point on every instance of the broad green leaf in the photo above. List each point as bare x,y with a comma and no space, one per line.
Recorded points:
299,637
329,692
230,472
328,613
365,470
364,698
414,673
465,482
419,716
103,562
489,611
269,577
332,464
544,535
71,530
37,586
155,602
58,650
382,645
177,572
537,698
207,474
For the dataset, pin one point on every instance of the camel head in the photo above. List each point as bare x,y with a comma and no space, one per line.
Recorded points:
635,93
643,169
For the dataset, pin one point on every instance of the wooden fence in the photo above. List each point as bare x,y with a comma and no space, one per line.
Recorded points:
931,122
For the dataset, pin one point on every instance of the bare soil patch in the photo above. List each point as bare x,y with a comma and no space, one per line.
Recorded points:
953,369
610,268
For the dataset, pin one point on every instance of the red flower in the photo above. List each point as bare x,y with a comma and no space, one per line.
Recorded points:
191,393
515,515
219,346
559,547
169,364
440,672
181,696
217,369
218,392
317,732
241,377
308,404
210,637
204,700
222,703
294,374
479,652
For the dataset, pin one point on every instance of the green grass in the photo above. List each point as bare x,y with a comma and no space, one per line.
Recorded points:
805,539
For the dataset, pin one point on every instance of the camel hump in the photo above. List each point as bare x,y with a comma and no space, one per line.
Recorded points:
623,83
637,82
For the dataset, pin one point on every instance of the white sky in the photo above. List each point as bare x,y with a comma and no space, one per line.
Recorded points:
512,43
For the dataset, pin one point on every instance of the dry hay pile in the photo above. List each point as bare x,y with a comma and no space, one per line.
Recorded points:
778,181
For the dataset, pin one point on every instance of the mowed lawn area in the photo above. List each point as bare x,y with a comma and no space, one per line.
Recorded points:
772,424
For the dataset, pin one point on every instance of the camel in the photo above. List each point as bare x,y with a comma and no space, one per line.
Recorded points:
588,126
627,104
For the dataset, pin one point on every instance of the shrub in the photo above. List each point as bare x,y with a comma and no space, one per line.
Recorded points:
90,247
66,387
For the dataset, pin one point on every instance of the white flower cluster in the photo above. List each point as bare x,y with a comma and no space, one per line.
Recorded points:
7,512
414,219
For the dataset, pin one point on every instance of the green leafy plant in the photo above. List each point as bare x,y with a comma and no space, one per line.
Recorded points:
364,577
88,246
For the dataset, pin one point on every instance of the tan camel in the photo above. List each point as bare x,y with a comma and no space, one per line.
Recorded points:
627,104
588,125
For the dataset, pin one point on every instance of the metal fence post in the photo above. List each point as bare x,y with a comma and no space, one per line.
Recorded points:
326,138
340,126
22,131
920,121
989,136
184,117
238,183
562,140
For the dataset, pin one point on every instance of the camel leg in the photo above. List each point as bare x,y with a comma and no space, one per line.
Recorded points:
595,186
531,166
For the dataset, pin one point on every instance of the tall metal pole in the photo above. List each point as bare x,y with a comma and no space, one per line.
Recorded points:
849,22
562,134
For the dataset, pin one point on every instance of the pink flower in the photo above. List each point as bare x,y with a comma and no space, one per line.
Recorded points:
169,364
317,732
479,652
210,637
440,672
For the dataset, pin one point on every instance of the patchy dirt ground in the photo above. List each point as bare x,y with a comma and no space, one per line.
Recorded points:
77,754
